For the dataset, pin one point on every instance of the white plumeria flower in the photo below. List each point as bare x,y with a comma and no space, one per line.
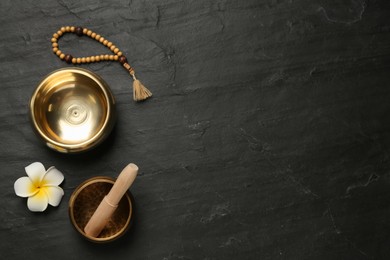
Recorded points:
41,187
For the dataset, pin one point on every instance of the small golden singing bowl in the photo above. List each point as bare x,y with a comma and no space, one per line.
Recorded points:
72,110
87,197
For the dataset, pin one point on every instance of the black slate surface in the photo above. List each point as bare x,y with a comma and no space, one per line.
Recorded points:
268,135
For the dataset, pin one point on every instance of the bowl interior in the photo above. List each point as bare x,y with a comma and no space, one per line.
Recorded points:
87,197
70,107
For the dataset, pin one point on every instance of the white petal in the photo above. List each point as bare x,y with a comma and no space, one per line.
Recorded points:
38,202
54,194
53,177
35,171
24,187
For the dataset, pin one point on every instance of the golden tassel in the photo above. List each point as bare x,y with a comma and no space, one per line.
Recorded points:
140,92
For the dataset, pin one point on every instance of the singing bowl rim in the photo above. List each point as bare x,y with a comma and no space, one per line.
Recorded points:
102,132
79,189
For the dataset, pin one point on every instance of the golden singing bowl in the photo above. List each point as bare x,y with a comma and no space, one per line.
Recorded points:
72,110
87,197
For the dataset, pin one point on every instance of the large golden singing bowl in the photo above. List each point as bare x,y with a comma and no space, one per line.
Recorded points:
87,197
72,110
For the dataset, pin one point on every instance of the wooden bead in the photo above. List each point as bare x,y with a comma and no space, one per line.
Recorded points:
89,32
63,29
97,58
78,60
87,59
83,60
53,40
101,40
67,28
128,67
93,35
79,31
112,48
119,53
109,44
105,42
111,57
102,57
116,50
72,28
54,44
68,58
97,37
55,49
62,56
116,57
59,32
122,60
58,52
92,58
56,36
85,30
74,60
106,57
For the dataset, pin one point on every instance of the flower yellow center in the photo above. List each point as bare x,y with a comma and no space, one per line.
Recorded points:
38,187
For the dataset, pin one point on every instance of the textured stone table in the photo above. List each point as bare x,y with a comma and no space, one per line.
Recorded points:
268,135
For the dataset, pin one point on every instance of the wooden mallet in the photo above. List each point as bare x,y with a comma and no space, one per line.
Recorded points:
110,202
